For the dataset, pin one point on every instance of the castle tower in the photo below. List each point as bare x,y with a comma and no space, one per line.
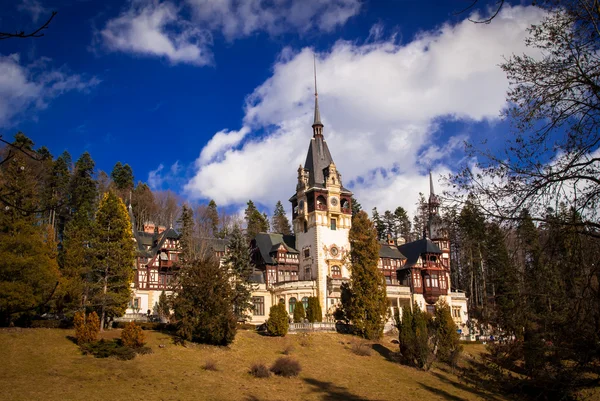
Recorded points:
322,217
436,231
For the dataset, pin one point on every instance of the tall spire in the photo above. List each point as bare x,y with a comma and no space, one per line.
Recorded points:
317,124
431,184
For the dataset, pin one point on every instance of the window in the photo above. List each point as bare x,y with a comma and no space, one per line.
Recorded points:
456,311
430,309
259,306
292,304
305,227
417,279
305,302
307,252
434,281
333,224
307,273
135,303
336,271
442,282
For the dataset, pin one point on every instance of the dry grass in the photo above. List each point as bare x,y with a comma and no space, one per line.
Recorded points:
44,364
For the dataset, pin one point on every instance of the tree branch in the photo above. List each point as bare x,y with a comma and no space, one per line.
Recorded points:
35,34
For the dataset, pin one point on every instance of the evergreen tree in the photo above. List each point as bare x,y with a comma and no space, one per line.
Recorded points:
237,261
256,222
83,189
204,304
281,224
403,222
213,216
28,262
356,207
379,224
313,311
299,313
278,322
163,309
414,337
114,257
390,224
187,243
367,306
420,218
447,339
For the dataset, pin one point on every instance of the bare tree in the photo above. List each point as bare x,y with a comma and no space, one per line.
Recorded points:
38,33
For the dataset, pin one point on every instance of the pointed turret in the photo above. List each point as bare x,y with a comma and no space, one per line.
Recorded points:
433,200
317,124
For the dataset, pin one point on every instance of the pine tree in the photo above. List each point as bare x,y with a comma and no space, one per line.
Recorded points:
420,218
356,207
187,243
163,308
403,222
256,222
390,224
113,258
28,261
414,337
83,189
281,224
204,304
379,224
367,308
143,205
237,261
212,214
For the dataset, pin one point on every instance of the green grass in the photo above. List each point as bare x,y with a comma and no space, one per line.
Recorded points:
45,364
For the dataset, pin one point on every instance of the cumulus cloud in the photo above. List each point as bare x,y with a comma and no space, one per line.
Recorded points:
381,103
184,34
160,176
156,29
26,88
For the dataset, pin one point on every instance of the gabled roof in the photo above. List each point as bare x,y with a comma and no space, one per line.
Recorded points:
390,251
269,243
413,250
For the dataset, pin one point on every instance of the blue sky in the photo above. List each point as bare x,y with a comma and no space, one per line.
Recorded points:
213,99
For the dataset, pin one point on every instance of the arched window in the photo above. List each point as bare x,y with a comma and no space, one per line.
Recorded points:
292,304
345,204
336,271
321,203
282,301
305,302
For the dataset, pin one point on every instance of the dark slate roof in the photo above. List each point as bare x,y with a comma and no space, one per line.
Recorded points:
257,277
390,251
413,250
217,244
318,158
268,243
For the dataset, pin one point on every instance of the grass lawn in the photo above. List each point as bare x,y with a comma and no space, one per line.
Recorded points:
42,364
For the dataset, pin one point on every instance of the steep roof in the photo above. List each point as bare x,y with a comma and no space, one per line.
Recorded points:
318,158
413,250
268,243
390,251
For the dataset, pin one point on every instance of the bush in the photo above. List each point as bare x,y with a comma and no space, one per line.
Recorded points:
105,349
278,323
299,313
132,336
361,348
86,330
260,370
446,335
210,365
286,367
313,312
144,351
288,350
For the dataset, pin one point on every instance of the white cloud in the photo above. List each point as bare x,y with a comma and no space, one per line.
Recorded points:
159,177
26,88
242,18
34,8
221,142
156,29
381,104
183,34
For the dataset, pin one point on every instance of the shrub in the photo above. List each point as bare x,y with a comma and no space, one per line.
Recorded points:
144,351
105,349
415,337
86,330
299,313
286,367
288,350
278,323
446,335
313,312
132,336
361,348
260,370
210,365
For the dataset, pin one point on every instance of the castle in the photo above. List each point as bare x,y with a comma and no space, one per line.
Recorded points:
313,262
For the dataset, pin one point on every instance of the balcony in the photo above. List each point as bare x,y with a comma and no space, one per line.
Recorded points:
321,206
165,264
398,290
346,210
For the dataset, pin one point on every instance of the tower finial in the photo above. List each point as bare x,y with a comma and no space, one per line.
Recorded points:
431,192
317,124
